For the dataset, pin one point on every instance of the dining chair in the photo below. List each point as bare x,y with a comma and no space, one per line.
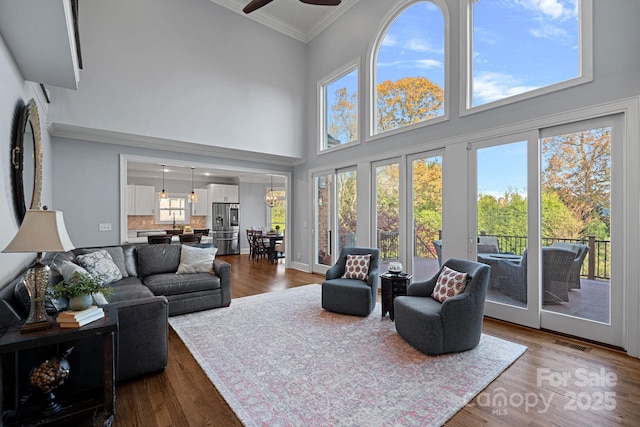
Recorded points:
161,239
190,238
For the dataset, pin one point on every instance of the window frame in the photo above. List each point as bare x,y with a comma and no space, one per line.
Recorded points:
187,211
371,134
344,70
585,12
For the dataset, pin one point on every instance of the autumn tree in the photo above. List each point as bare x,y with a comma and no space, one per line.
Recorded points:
342,124
578,170
427,202
406,101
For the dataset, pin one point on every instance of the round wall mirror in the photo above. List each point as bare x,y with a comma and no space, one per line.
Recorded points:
26,158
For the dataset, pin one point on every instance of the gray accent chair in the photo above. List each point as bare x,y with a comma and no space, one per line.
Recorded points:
455,325
351,296
556,268
581,253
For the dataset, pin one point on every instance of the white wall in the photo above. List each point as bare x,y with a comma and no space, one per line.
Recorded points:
13,90
87,184
187,70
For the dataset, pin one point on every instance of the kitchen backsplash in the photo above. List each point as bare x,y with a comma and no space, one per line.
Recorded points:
148,222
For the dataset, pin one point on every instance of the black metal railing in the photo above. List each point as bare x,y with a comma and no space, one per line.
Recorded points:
597,264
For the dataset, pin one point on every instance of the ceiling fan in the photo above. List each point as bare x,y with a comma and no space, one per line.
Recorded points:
257,4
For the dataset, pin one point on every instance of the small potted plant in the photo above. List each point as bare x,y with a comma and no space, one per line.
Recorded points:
79,289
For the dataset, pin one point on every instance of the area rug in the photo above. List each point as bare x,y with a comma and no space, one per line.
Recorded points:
279,359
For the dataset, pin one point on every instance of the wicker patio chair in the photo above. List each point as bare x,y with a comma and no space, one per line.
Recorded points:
581,253
556,265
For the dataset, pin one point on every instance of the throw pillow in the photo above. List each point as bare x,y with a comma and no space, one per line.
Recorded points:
100,266
357,267
117,255
449,284
68,269
196,260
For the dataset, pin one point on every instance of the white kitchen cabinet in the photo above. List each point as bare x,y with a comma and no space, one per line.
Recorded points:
141,200
201,207
224,193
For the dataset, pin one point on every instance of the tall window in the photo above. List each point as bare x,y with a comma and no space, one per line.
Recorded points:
277,212
522,46
340,101
410,69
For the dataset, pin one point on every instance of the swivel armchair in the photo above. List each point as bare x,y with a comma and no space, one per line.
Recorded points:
451,326
351,296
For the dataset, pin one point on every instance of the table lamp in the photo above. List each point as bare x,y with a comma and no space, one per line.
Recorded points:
41,231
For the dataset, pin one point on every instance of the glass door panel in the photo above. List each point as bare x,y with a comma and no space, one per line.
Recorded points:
323,222
427,215
582,295
502,232
387,199
347,209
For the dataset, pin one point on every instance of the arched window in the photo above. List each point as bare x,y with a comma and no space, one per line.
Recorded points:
409,69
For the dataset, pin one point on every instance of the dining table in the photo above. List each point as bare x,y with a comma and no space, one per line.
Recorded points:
274,239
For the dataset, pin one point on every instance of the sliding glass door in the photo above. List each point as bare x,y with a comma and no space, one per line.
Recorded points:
546,217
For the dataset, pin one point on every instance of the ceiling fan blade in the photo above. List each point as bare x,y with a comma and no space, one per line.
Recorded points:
255,5
322,2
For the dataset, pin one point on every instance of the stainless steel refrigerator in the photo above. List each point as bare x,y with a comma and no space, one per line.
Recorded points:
225,230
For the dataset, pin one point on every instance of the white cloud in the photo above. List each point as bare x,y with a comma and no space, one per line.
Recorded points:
413,63
554,9
389,41
488,87
549,32
428,63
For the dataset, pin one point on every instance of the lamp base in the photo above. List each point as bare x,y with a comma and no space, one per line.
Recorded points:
36,281
35,326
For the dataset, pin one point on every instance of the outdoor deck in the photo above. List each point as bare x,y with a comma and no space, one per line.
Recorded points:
591,302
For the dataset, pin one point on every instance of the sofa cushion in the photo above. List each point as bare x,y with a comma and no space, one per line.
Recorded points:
117,255
158,259
129,289
174,284
196,260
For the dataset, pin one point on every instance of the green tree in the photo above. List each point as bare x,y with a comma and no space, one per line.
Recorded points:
347,203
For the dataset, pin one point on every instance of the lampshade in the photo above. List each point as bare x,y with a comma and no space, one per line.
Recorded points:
41,231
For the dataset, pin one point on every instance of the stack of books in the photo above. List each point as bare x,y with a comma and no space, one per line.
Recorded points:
75,319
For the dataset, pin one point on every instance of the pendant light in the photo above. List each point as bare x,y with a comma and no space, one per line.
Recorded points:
193,197
163,194
271,198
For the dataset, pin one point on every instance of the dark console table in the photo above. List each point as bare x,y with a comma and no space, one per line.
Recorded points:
74,403
393,285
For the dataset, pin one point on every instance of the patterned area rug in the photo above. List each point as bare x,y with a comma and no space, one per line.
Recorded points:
279,359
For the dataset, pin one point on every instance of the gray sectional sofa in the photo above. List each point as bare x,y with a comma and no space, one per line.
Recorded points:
149,291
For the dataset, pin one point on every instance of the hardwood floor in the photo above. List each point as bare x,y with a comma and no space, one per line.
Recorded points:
558,381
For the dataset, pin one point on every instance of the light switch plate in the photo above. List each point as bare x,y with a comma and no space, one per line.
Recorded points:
105,227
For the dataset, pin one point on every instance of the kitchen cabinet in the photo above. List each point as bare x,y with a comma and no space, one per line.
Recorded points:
223,193
200,208
141,200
